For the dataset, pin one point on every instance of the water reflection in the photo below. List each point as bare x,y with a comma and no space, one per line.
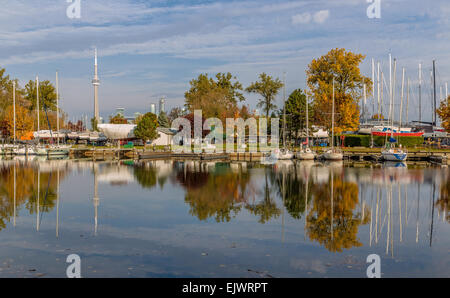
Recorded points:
336,207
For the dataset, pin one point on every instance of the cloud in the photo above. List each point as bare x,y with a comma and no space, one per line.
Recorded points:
321,16
303,18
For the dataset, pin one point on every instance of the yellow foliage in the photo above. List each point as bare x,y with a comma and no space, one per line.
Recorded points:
24,121
343,66
444,114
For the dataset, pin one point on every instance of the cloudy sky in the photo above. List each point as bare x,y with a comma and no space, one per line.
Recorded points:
149,49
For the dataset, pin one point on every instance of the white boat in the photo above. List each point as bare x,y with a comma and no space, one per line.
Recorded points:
333,155
394,154
305,154
57,151
282,154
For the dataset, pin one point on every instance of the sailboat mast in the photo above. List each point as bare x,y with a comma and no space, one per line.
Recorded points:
332,122
284,110
434,92
57,108
420,92
307,121
14,110
364,102
402,96
37,102
373,86
393,96
390,87
378,91
407,100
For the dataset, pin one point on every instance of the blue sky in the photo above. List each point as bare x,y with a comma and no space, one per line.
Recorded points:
149,49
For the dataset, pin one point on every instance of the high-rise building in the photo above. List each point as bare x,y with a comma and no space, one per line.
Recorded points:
96,83
152,108
162,107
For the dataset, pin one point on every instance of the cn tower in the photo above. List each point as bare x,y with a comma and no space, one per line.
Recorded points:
96,83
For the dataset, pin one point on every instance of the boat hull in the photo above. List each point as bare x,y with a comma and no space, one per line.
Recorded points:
397,134
333,156
305,156
394,156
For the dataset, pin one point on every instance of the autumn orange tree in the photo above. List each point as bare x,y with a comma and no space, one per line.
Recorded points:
24,121
342,66
444,113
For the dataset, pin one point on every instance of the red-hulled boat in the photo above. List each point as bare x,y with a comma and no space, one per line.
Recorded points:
398,134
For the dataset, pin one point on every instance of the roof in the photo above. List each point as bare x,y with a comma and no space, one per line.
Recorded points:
167,131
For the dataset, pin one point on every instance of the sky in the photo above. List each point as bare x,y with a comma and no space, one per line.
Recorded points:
150,49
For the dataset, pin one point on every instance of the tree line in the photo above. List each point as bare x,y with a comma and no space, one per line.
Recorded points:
26,106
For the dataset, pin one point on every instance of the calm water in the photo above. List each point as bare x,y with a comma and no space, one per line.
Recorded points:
192,219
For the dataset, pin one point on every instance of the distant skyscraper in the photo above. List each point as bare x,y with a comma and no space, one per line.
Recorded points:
162,107
96,83
153,108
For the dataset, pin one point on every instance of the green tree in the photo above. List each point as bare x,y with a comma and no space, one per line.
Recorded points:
163,121
343,66
94,124
268,88
296,112
47,95
146,128
216,98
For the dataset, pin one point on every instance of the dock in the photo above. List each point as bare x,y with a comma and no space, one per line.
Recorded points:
374,155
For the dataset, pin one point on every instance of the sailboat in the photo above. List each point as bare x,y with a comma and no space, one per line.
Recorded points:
390,153
58,150
283,153
333,153
306,153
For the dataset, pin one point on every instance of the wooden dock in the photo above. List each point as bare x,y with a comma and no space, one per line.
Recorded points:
438,157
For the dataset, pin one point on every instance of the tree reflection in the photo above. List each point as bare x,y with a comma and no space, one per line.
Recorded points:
443,203
217,193
26,191
267,208
145,175
333,223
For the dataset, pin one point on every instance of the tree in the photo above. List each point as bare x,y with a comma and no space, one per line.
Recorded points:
118,119
175,113
24,121
296,111
146,128
343,66
444,113
268,88
163,121
47,95
216,98
94,124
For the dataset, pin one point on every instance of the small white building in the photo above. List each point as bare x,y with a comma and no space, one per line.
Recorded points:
165,136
